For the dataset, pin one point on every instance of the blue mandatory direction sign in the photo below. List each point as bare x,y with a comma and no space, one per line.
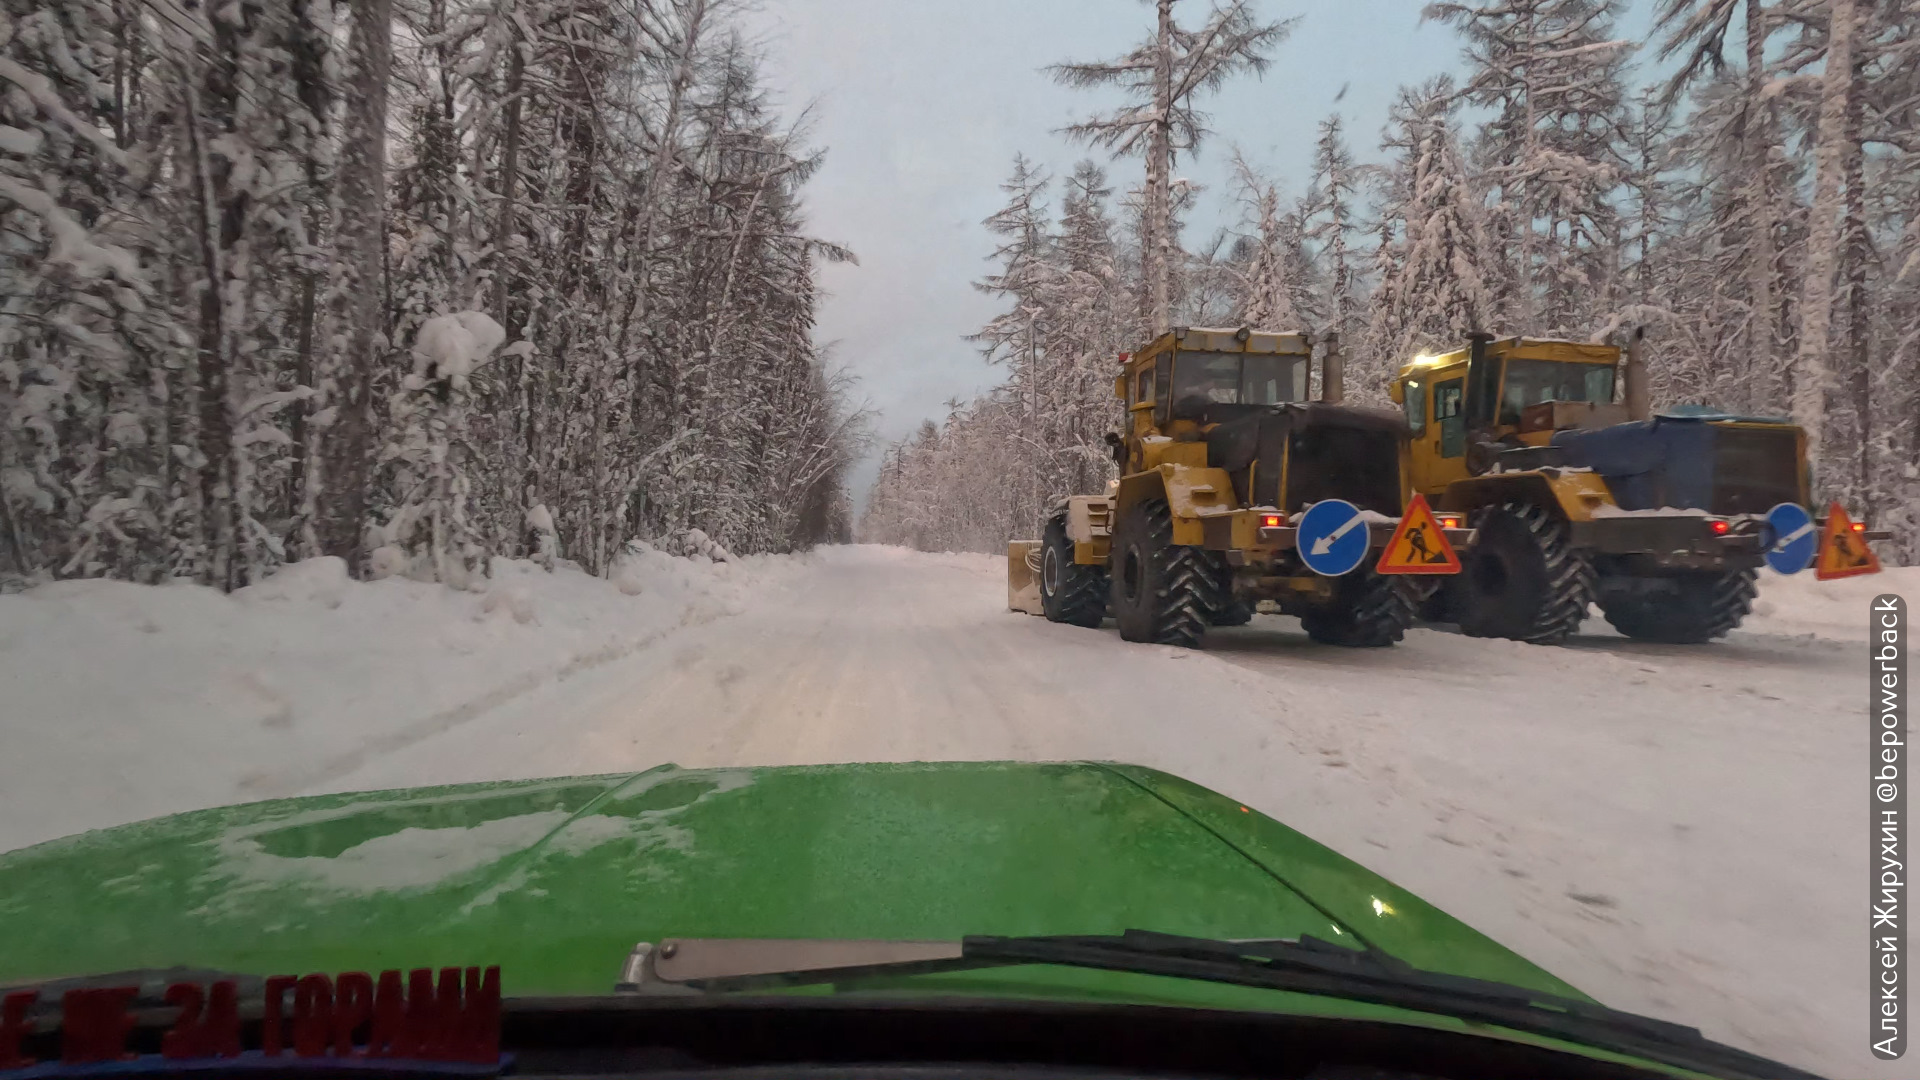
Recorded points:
1332,537
1791,538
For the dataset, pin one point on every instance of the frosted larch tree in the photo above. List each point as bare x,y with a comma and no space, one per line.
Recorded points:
1437,293
1328,215
1164,78
1697,33
1550,151
1266,291
1826,229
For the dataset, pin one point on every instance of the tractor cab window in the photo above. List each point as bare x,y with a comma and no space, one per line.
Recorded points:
1143,387
1530,382
1214,378
1414,400
1272,379
1449,412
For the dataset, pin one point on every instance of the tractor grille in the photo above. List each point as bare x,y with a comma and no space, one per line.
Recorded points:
1360,465
1754,468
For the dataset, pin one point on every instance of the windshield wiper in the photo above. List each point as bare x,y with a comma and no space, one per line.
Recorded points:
1307,966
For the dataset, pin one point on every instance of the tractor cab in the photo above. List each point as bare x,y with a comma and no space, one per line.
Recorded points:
1466,406
1190,378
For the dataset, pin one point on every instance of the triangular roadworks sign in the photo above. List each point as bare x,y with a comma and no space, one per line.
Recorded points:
1843,550
1419,545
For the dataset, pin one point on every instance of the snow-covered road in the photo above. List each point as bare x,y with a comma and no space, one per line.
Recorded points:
1678,831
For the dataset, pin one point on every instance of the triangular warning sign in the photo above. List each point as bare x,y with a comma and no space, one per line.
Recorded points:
1843,549
1419,545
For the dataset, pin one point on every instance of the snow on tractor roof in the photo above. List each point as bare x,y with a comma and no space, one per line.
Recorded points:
1230,339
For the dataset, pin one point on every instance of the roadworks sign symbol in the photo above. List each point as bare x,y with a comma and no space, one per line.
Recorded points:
1419,545
1843,552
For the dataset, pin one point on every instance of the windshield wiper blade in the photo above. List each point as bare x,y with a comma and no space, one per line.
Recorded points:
1307,966
1317,967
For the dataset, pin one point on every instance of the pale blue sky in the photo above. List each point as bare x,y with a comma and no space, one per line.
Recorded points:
922,105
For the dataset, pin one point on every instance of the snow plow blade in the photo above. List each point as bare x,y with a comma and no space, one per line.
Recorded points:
1023,576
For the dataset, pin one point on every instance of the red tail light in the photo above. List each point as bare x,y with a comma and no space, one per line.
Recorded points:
1720,528
1859,526
1270,521
1449,521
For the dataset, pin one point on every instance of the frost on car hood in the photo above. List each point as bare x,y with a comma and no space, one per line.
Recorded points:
556,880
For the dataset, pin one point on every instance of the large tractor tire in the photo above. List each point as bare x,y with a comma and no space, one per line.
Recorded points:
1699,608
1522,579
1162,592
1369,610
1069,592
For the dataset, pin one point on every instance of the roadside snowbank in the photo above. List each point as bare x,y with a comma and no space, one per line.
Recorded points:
1802,604
122,701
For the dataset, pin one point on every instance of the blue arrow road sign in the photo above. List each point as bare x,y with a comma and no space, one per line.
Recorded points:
1791,538
1332,537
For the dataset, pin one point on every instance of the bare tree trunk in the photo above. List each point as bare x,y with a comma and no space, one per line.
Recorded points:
1159,183
1856,251
218,228
1758,134
357,291
303,375
509,184
1826,219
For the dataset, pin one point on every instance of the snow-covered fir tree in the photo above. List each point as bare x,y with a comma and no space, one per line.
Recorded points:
411,282
1551,75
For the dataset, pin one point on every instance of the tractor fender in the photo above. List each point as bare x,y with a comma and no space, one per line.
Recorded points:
1089,525
1191,494
1574,496
1088,517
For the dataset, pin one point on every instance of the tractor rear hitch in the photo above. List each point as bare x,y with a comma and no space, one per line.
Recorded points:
1286,537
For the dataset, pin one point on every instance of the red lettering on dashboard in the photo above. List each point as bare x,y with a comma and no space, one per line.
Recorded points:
352,1007
272,1020
389,1016
452,1014
13,1027
312,1016
94,1024
182,1040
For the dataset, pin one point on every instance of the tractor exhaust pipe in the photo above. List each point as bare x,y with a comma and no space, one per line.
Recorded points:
1333,370
1639,406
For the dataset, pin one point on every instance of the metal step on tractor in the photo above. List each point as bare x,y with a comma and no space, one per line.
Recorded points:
1576,498
1235,488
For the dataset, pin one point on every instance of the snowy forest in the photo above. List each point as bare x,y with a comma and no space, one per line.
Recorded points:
409,282
1745,186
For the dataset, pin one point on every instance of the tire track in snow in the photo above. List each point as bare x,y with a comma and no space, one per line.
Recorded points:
294,781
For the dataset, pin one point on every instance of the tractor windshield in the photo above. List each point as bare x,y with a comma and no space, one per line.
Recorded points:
1530,382
1219,378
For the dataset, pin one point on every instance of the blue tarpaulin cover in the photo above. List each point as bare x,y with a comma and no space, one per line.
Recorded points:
1648,464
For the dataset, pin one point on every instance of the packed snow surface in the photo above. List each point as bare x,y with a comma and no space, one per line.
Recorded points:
1680,831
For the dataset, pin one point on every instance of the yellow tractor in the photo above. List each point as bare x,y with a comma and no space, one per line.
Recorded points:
1576,498
1233,489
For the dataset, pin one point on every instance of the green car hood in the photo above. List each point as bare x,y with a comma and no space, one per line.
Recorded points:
556,880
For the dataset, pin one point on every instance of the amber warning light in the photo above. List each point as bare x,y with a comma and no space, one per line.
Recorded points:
1270,521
